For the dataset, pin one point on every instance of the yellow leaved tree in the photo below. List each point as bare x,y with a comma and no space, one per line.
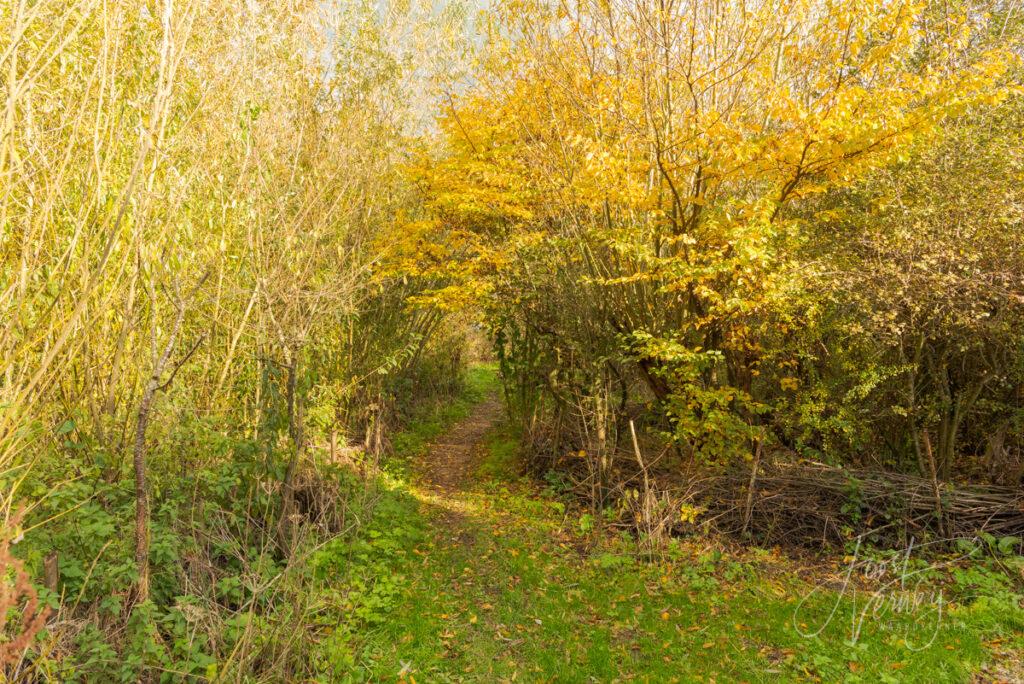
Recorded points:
624,170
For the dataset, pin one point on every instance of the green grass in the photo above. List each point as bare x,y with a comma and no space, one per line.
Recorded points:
501,456
432,420
501,586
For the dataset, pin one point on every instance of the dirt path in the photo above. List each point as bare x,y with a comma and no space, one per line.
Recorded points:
451,460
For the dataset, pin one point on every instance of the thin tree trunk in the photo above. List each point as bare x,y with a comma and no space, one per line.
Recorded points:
284,527
153,386
936,492
141,496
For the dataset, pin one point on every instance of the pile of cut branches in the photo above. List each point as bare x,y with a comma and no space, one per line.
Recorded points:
813,504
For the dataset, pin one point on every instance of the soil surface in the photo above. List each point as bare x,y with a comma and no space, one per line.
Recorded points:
450,461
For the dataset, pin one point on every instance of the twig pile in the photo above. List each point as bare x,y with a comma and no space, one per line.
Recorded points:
814,504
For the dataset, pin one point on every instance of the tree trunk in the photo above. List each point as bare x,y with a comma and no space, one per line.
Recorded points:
284,527
139,451
141,495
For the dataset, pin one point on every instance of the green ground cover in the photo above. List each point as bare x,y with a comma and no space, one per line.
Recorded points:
498,583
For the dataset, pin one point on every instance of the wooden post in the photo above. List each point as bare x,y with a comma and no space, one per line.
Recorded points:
51,572
748,509
936,493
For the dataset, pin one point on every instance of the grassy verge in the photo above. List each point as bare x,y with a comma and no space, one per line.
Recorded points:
517,591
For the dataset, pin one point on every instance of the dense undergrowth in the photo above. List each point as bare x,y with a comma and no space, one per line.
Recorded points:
226,600
205,342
